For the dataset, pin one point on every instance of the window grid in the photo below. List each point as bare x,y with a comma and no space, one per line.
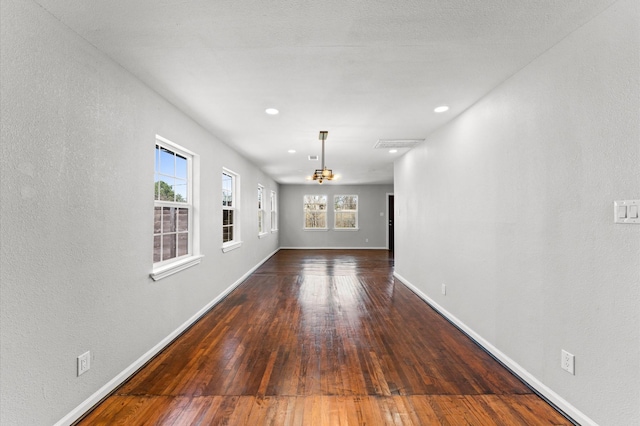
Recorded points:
345,211
228,207
315,212
261,211
274,212
172,203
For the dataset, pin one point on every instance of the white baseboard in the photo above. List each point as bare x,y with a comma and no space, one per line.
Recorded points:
333,248
105,390
516,368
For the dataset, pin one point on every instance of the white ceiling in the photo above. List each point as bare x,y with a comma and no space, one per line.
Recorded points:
363,70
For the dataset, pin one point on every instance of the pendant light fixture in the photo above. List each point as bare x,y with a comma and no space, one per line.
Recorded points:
323,174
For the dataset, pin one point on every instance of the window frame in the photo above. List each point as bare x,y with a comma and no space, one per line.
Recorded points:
167,267
236,241
262,215
274,211
336,212
305,210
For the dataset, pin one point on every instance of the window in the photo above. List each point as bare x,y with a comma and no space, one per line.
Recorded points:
230,210
345,209
315,212
274,212
175,244
261,212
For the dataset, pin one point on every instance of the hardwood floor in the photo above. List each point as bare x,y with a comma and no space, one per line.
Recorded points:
323,338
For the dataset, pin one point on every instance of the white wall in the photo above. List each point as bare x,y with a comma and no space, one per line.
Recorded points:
77,216
515,206
372,200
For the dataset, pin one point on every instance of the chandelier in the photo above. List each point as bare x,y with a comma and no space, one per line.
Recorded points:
321,174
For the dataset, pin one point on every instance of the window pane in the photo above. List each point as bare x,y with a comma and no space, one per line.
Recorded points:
167,162
227,217
156,187
156,248
168,246
183,220
181,190
227,198
346,202
351,202
315,220
183,244
227,183
157,159
168,219
345,220
227,233
165,189
181,167
157,220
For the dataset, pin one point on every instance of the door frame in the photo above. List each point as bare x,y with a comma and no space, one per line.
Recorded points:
386,222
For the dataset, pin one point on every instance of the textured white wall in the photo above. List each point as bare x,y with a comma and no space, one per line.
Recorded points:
515,206
372,201
76,218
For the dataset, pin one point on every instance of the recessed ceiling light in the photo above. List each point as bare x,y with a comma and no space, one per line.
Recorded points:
292,151
442,108
271,111
393,151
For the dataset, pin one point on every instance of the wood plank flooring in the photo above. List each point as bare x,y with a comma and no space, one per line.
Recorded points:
323,338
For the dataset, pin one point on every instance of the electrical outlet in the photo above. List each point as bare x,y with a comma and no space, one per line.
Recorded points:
444,288
366,240
84,362
568,362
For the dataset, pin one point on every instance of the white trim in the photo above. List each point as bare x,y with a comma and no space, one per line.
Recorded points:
231,245
262,215
274,211
173,267
516,368
386,222
175,145
168,267
315,229
237,197
333,248
345,229
335,212
262,235
325,211
105,390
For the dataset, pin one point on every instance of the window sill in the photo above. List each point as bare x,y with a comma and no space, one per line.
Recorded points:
346,229
231,246
315,229
273,231
262,235
165,270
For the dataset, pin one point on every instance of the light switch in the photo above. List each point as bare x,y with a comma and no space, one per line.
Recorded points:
622,212
626,211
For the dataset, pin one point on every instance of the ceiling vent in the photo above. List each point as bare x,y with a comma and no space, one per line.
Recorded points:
397,143
313,158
